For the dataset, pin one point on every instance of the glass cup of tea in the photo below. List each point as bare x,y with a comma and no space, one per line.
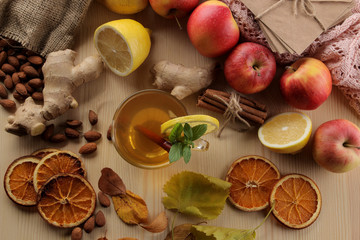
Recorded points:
149,109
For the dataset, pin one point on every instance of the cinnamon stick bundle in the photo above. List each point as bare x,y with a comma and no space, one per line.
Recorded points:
252,111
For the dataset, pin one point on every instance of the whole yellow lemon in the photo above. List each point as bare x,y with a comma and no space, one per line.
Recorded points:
125,6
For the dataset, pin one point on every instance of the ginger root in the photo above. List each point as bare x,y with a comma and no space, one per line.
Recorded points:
61,78
182,80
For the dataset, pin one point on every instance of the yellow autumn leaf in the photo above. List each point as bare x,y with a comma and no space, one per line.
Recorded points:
131,208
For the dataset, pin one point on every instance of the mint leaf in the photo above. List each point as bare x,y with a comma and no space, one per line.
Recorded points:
198,131
175,152
186,152
188,131
175,132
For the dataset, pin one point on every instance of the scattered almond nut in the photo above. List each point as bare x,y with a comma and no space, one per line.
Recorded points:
21,89
7,68
36,60
15,78
76,234
38,96
108,134
72,133
73,123
88,148
3,92
24,65
92,136
21,57
36,83
100,219
30,72
103,199
18,97
8,82
3,57
8,104
2,75
29,89
93,117
13,61
49,131
89,224
58,138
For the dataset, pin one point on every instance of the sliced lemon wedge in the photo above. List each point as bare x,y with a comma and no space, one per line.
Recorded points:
286,132
123,45
193,120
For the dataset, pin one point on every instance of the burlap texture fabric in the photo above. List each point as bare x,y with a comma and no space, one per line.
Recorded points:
42,26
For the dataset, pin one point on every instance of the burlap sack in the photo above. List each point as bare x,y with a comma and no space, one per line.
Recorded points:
42,26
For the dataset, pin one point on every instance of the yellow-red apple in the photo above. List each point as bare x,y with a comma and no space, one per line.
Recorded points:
250,68
306,84
212,29
173,8
336,145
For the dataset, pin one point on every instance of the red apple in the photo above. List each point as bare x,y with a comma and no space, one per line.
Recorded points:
306,84
173,8
212,29
250,68
336,145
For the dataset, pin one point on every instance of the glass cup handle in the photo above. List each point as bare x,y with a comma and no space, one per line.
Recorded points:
201,145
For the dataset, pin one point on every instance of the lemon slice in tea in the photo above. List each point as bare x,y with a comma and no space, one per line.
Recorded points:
286,132
123,45
193,120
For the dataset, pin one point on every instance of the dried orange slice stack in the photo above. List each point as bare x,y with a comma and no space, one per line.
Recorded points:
66,200
252,178
57,162
43,152
297,201
18,181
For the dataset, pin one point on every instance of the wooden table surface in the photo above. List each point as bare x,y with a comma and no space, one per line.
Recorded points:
340,215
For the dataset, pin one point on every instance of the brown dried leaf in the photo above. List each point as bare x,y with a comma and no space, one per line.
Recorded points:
130,208
181,232
110,183
159,224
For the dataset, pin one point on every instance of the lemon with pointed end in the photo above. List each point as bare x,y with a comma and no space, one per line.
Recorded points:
125,6
286,132
193,120
123,45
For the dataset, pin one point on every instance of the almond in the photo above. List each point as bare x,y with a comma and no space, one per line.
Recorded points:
103,199
15,78
36,83
92,136
76,234
3,57
36,60
88,148
31,72
38,96
89,224
21,89
8,104
93,117
58,138
72,133
29,89
108,134
13,61
8,82
3,92
100,219
7,68
2,75
49,131
73,123
18,97
21,57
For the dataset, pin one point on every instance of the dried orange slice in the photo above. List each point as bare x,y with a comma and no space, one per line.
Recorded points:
57,162
43,152
18,180
252,179
297,201
66,200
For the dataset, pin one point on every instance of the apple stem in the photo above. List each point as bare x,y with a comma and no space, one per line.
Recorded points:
178,23
256,68
290,68
351,146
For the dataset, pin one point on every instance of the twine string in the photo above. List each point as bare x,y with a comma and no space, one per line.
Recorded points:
232,111
306,6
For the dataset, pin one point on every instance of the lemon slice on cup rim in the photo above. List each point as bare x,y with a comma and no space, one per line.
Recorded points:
193,120
287,132
123,45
